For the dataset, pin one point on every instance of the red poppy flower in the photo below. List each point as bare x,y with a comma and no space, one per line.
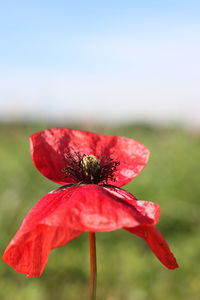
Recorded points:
91,168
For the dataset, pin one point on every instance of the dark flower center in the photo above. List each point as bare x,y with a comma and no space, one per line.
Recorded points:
89,169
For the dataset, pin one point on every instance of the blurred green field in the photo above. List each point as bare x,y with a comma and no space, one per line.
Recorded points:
127,269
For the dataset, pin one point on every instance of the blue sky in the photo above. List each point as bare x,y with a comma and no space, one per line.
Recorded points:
106,60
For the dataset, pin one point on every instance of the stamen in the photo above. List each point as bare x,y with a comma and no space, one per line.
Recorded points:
108,169
89,169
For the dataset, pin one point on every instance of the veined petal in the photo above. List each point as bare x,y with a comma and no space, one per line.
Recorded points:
156,242
65,213
48,148
47,151
149,209
95,208
42,230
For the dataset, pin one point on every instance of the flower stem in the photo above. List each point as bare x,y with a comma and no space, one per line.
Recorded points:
93,266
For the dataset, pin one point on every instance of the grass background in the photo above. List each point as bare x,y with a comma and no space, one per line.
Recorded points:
127,269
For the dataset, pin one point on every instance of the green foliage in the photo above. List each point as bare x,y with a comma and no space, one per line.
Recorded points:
127,269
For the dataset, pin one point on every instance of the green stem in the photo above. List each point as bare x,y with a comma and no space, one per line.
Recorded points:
93,266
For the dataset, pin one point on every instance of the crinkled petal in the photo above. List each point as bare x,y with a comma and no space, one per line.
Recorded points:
48,148
156,242
95,208
146,208
43,229
149,209
65,213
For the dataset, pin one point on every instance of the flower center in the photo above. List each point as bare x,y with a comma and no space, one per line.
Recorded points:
91,166
89,169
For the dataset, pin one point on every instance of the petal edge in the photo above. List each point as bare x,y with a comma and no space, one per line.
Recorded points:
157,243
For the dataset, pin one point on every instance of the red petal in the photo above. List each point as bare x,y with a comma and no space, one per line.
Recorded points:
95,208
156,242
64,213
149,209
146,208
48,147
43,229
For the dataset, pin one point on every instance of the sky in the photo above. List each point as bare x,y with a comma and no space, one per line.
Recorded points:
106,61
